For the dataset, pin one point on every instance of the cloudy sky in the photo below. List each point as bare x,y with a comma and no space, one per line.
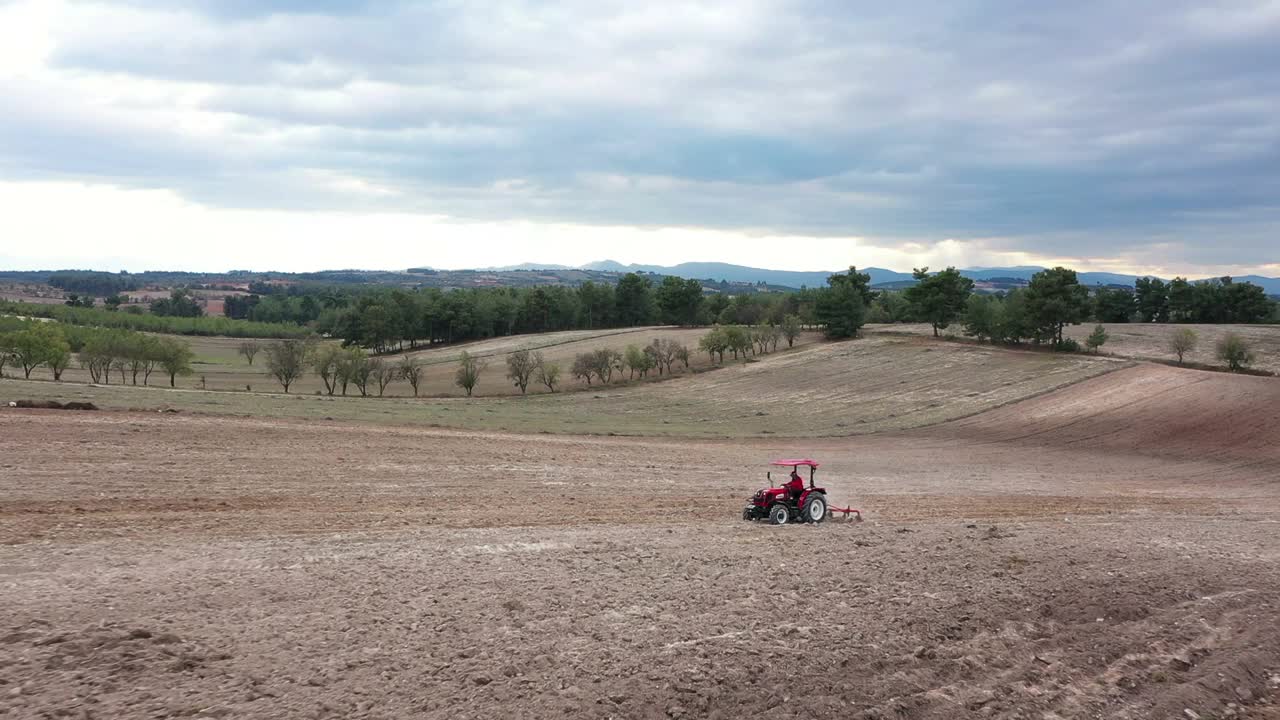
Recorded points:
1134,135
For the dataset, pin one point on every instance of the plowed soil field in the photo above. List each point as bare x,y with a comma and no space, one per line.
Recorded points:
1107,550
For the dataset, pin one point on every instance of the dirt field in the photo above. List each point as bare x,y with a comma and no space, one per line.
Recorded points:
1108,550
826,389
1150,342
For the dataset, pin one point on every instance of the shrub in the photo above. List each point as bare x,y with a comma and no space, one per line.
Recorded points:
1235,352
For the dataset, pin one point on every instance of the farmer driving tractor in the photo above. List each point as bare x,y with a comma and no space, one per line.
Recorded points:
796,485
792,501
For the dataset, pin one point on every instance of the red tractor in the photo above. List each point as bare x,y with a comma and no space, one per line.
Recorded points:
793,502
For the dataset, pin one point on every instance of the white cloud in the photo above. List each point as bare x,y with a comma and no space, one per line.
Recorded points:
122,229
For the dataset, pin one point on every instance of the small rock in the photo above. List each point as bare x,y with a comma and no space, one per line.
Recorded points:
482,679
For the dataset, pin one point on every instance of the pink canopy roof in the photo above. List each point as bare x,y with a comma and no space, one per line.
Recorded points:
793,463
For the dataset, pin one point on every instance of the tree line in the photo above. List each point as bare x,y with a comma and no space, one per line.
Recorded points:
102,352
1054,299
389,320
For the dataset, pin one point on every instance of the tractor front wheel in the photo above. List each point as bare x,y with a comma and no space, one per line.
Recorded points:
779,514
748,514
815,508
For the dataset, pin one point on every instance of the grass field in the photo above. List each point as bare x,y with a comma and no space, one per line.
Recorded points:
823,389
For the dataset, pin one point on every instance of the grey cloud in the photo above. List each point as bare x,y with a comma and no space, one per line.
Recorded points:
1082,127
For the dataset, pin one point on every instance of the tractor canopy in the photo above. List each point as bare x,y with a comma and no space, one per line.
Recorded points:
795,463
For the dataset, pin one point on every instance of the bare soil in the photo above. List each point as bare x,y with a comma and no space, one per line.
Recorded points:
1012,565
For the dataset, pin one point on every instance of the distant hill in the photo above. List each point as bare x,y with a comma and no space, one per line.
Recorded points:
715,276
740,273
532,266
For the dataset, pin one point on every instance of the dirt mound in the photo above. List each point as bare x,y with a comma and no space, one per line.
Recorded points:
53,405
1148,409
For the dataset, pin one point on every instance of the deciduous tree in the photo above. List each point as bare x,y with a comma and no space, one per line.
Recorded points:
791,328
521,365
1183,341
326,363
383,374
548,372
469,370
175,357
249,349
1235,352
287,361
411,371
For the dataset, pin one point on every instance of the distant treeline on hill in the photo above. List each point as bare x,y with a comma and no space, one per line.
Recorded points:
383,317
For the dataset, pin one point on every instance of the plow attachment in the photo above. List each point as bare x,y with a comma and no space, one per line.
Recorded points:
846,512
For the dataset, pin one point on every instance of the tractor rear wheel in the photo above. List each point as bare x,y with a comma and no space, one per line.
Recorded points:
815,508
779,514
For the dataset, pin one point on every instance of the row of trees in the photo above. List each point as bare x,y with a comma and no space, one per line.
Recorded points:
1053,299
1006,320
91,283
742,341
1181,301
383,320
638,361
101,352
105,318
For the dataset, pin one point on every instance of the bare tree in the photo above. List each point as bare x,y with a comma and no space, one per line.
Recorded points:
520,367
584,366
411,371
469,369
664,352
249,349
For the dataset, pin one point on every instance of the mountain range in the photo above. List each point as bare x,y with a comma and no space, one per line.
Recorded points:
879,276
